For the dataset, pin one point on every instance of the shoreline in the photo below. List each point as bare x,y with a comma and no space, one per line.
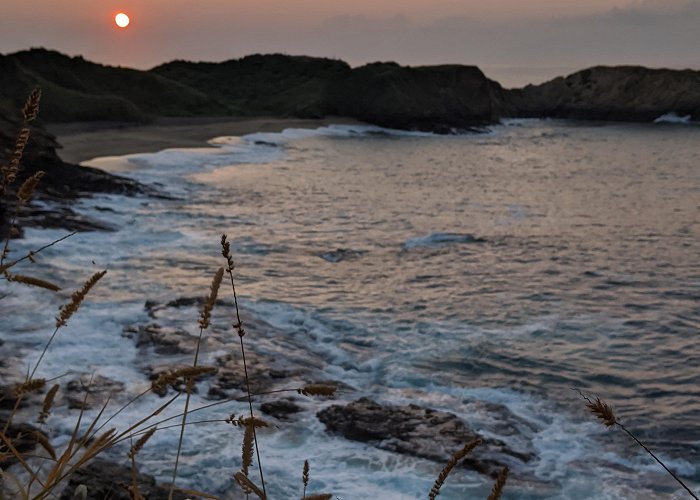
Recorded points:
84,141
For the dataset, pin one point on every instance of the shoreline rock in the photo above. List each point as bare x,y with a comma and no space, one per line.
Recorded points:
106,479
419,432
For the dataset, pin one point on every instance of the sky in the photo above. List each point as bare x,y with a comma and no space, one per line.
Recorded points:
516,39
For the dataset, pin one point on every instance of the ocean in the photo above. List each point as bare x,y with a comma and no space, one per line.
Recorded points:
485,275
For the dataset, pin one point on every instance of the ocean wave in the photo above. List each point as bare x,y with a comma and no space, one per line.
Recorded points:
674,119
440,239
292,134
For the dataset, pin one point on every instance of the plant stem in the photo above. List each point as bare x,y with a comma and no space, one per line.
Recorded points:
657,459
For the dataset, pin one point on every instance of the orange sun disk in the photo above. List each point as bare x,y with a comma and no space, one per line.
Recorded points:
122,20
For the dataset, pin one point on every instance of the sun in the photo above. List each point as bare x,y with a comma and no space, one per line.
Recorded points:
122,20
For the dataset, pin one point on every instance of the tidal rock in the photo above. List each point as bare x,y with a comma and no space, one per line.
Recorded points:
339,254
24,437
162,340
282,409
420,432
104,479
91,391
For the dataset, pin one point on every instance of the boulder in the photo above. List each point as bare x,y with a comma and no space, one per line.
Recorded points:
104,479
282,409
420,432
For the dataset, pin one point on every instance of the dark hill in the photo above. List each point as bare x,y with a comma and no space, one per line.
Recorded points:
272,84
79,90
622,93
434,98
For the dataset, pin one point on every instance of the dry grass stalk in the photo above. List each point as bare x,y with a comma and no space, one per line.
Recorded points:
318,390
305,476
247,449
211,300
11,170
43,441
226,252
500,483
435,491
256,422
29,114
67,310
133,489
26,190
31,106
188,373
30,255
603,411
32,385
48,403
238,326
141,442
203,324
31,281
248,485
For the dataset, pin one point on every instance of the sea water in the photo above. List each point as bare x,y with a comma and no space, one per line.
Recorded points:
506,267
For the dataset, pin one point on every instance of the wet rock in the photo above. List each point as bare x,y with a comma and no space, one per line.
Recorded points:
281,409
275,359
108,480
340,254
153,372
231,382
97,388
162,340
420,432
24,437
60,217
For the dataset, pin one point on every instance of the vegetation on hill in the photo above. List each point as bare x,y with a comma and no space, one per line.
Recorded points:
622,93
435,98
79,90
273,84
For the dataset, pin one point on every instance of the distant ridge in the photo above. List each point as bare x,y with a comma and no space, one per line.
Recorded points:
435,98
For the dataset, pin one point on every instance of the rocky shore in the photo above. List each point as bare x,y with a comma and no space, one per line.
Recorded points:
443,99
62,182
413,430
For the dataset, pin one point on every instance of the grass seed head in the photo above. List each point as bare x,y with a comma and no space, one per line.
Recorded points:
603,411
211,300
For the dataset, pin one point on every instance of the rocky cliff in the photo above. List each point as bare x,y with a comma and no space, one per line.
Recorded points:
623,93
430,98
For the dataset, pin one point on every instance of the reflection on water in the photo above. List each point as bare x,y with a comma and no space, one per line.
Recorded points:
507,267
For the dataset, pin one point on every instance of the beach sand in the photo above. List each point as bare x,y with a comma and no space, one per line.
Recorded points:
82,142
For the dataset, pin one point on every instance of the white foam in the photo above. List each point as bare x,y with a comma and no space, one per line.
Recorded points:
439,239
674,118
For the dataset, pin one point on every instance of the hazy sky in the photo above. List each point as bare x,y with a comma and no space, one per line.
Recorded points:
560,34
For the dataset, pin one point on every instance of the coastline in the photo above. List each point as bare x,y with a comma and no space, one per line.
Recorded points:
84,141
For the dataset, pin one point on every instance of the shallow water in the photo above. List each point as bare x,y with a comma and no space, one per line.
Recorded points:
505,267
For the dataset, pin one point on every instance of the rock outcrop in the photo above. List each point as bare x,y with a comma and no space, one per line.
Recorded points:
102,479
62,180
622,93
420,432
428,98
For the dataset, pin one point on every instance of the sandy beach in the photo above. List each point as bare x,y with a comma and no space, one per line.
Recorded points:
81,142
